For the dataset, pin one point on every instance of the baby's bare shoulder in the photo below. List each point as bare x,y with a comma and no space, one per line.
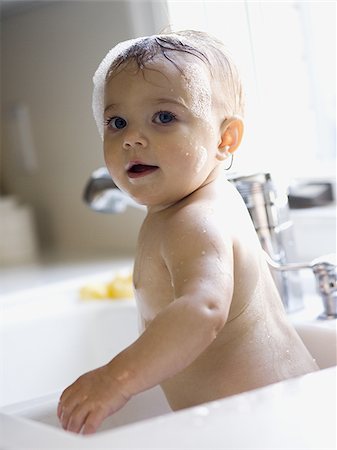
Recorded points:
198,219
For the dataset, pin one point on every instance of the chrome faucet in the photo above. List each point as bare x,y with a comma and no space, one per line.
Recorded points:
270,215
324,269
269,211
102,195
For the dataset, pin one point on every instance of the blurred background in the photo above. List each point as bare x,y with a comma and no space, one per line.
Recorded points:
50,145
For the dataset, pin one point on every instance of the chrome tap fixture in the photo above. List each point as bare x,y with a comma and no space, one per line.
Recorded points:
325,270
102,195
269,211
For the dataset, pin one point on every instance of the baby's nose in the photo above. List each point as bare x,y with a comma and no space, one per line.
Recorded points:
134,138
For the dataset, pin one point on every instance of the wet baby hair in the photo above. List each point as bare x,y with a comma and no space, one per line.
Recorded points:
205,48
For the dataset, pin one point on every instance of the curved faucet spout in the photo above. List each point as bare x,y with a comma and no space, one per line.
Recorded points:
285,267
102,195
325,270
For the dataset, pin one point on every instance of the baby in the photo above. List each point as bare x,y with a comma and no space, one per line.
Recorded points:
169,110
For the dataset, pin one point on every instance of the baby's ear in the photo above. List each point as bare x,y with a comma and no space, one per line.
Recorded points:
231,132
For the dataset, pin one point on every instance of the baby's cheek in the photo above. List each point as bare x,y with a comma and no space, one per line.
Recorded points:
194,156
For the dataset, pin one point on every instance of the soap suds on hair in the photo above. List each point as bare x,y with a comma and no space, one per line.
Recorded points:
199,87
197,83
100,77
207,49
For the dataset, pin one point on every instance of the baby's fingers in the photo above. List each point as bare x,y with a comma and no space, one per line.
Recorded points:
77,418
94,420
59,410
65,400
67,408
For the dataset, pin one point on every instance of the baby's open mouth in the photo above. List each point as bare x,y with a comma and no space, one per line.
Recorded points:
138,170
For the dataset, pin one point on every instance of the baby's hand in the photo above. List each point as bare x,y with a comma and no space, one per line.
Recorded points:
89,400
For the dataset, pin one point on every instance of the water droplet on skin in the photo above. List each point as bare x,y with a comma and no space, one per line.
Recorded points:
204,231
288,358
187,154
203,253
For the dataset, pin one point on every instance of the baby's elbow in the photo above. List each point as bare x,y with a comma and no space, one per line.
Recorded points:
217,314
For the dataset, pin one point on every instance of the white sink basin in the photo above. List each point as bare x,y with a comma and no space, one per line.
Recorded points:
65,337
320,340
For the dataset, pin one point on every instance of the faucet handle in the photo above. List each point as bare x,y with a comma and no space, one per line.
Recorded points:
325,270
329,259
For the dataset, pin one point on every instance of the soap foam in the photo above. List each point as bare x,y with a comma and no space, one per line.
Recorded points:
100,76
202,154
197,82
199,87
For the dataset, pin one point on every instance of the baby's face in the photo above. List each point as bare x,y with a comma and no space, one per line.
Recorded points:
161,132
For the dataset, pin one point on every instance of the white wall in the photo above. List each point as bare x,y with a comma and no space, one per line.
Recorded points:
49,55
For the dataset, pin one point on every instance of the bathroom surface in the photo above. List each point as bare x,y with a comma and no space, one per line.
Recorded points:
49,335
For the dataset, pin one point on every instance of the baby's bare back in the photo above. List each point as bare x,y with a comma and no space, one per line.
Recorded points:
257,345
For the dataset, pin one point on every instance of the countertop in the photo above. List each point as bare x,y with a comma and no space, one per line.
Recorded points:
53,268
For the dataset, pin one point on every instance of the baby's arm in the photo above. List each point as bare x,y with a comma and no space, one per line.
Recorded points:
200,265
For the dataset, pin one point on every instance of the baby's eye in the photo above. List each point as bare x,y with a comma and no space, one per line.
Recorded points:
116,122
164,117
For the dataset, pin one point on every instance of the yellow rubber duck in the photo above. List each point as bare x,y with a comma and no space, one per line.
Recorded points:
120,287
